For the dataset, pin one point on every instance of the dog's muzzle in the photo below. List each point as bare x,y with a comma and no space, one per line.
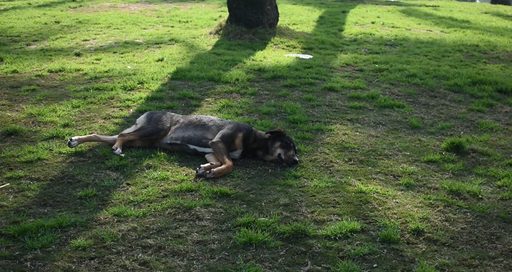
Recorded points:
292,162
295,161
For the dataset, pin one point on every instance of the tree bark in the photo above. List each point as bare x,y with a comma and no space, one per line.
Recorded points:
253,13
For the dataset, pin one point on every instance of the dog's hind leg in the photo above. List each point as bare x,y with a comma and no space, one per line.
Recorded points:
122,138
76,140
141,134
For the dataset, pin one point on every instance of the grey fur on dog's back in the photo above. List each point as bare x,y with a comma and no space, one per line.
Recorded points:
196,130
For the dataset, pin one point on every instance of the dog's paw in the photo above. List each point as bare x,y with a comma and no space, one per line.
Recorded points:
200,171
203,173
72,143
117,151
209,174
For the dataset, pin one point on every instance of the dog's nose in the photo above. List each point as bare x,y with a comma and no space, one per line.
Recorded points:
295,161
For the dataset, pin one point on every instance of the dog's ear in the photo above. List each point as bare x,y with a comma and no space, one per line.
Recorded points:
276,132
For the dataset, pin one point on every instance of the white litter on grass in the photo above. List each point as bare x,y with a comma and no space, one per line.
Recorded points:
302,56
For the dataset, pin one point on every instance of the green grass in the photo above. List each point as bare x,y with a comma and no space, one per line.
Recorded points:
442,126
13,130
87,193
471,187
390,232
454,167
356,105
407,182
401,119
436,157
346,266
339,85
364,250
418,228
370,95
252,237
81,244
14,175
296,229
458,146
256,222
41,233
414,123
343,228
40,240
107,236
424,267
489,126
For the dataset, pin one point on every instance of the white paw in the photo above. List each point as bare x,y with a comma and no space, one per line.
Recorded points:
209,174
200,171
72,142
118,151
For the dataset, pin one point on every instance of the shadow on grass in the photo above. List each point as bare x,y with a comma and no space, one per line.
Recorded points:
30,5
454,23
98,168
501,15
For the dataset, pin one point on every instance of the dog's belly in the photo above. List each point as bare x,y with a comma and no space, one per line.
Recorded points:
177,146
233,154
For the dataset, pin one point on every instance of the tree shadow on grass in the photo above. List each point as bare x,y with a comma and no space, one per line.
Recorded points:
454,23
196,86
30,5
501,15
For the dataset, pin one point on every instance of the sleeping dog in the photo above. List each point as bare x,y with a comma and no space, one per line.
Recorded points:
221,140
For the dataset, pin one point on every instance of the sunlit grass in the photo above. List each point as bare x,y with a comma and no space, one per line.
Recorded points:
400,119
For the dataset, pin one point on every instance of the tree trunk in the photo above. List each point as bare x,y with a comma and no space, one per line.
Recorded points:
253,13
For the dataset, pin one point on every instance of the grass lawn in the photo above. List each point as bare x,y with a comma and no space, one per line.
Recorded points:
403,119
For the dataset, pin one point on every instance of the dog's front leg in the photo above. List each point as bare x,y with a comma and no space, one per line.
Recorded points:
221,164
213,162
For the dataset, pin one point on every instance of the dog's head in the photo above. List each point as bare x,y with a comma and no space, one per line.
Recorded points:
281,147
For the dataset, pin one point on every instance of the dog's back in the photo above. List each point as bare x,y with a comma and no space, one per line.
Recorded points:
195,132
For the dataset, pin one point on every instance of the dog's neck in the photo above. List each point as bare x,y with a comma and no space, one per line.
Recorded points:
258,146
